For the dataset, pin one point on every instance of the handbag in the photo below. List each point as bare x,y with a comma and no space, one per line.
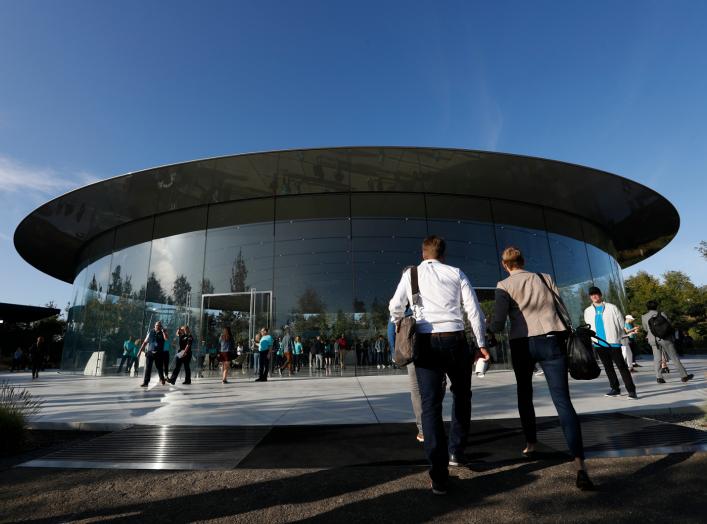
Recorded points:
405,330
581,362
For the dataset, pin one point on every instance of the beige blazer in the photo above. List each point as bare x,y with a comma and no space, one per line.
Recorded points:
528,303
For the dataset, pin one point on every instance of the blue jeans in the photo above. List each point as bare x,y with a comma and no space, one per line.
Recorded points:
547,351
440,355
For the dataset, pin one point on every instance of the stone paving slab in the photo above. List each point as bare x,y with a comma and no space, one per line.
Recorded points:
114,402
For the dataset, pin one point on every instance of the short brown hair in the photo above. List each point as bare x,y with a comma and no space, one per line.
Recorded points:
434,246
513,258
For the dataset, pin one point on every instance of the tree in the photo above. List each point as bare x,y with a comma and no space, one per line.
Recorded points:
239,272
702,249
207,287
309,302
115,287
181,289
154,291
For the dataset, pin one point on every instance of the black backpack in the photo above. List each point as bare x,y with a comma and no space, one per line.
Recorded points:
660,326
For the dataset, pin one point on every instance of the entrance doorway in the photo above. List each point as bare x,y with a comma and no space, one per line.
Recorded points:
245,313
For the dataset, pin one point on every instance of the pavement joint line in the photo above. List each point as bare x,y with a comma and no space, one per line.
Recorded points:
358,380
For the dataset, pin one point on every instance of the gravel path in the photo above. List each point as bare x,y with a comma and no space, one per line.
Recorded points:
642,489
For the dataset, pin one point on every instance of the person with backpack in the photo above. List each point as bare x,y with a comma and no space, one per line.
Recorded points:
607,322
661,339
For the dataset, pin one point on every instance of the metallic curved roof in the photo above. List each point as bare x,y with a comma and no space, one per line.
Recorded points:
637,219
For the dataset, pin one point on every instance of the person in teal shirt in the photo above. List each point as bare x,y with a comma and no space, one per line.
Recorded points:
298,353
127,349
265,348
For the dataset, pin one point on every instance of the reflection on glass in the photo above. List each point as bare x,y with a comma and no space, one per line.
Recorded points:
174,283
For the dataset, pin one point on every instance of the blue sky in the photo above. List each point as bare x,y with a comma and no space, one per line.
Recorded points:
90,90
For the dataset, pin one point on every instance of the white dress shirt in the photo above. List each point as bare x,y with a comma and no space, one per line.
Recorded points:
443,291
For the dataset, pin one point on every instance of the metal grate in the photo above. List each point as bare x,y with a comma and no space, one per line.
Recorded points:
159,447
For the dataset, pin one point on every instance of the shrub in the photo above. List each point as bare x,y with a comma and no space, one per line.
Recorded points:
16,406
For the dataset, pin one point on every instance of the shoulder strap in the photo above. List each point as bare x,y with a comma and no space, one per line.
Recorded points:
414,285
559,304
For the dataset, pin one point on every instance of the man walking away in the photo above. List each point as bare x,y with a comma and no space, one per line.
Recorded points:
265,348
443,351
660,337
607,322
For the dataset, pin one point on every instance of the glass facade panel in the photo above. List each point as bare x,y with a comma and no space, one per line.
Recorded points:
174,282
312,263
531,240
387,233
125,301
93,324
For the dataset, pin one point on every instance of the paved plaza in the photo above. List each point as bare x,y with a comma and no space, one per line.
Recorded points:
112,402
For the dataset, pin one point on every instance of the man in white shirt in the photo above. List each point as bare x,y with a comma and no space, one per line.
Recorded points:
442,350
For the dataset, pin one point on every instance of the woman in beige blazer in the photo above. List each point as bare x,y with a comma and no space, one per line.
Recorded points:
536,337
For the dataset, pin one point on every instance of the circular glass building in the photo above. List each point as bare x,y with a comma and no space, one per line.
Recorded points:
317,239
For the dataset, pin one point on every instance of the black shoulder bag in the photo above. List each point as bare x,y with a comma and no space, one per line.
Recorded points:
405,330
581,362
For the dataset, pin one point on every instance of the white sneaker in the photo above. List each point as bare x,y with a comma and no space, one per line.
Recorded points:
379,366
481,375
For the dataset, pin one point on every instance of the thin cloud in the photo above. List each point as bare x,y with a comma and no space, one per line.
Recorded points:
15,177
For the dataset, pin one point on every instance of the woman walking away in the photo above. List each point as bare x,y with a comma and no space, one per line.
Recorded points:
36,356
537,335
226,352
183,355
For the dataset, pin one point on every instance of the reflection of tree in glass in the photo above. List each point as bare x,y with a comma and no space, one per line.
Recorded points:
310,302
93,285
119,286
359,306
180,290
379,315
207,287
239,272
154,291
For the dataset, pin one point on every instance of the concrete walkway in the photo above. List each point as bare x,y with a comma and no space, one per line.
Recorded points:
98,403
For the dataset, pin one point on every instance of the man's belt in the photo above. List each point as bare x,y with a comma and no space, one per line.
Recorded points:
448,334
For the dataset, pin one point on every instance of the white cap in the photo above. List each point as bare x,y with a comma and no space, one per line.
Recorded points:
630,318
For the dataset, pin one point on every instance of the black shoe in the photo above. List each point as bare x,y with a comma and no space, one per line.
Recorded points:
633,396
613,393
661,380
636,364
259,380
664,370
143,385
172,381
439,488
688,377
583,481
457,459
531,455
185,382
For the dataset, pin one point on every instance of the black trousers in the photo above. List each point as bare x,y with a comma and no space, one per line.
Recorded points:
123,359
178,362
609,357
36,365
264,365
158,360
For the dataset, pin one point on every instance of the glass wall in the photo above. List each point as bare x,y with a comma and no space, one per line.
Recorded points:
329,264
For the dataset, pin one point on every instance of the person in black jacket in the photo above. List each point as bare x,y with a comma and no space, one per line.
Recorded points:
36,356
183,355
